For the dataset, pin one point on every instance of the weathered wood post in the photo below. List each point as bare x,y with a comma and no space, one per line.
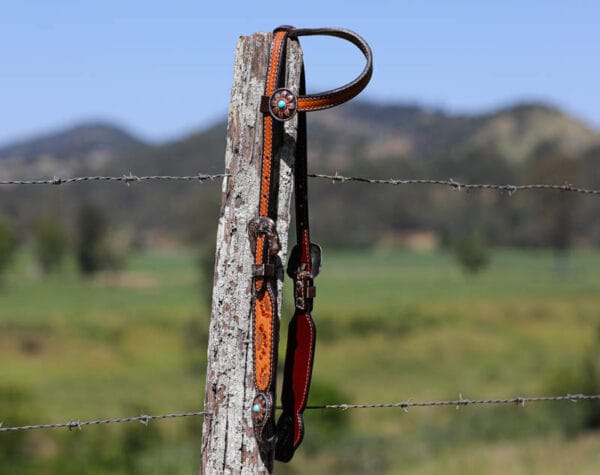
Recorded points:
228,443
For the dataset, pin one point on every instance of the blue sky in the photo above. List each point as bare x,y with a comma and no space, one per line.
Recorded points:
163,68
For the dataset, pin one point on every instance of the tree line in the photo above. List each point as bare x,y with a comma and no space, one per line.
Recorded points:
90,245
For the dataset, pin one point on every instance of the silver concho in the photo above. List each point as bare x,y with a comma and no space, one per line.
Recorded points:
283,104
261,409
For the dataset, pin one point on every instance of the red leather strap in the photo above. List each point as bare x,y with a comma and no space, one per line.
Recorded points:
296,384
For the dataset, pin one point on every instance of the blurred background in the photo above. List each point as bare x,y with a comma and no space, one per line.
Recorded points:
426,292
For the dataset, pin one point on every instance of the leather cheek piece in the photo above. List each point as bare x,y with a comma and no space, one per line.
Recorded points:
265,244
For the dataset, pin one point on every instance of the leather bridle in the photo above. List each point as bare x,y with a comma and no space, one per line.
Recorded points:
278,105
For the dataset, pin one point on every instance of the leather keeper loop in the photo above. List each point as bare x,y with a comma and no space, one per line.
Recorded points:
306,292
264,104
263,270
310,292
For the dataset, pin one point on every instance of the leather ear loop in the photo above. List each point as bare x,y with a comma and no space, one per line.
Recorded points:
334,97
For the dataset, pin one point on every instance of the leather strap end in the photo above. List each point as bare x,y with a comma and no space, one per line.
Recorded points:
264,104
296,384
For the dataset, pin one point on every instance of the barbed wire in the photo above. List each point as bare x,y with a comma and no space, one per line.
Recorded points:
75,424
462,402
404,405
124,178
335,178
510,189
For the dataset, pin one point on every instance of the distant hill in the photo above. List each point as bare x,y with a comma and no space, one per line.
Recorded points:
77,141
400,130
336,135
89,145
363,138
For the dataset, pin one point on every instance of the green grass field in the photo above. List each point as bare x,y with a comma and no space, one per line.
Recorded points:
391,327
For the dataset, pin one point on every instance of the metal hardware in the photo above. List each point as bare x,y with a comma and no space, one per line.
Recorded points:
263,270
261,409
282,104
304,291
261,225
294,262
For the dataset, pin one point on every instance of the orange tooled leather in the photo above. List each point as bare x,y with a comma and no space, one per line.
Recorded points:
265,187
310,104
264,308
260,245
263,340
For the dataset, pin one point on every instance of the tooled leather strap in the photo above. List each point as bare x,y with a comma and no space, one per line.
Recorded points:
264,242
280,104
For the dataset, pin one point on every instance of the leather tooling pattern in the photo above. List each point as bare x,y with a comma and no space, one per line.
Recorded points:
263,340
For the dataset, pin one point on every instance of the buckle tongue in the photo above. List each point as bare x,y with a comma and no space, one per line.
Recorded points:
304,290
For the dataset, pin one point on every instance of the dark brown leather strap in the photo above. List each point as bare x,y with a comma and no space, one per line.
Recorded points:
302,331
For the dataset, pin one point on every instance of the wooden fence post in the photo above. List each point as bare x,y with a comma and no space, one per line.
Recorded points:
228,443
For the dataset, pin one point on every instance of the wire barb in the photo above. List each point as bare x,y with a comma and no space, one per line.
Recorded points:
74,424
144,419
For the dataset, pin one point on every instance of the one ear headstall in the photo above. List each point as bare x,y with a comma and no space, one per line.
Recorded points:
278,105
